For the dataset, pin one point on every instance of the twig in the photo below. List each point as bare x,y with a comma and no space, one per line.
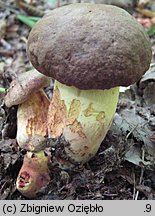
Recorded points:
7,52
134,185
141,175
130,132
30,9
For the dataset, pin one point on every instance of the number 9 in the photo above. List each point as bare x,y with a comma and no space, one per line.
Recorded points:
148,208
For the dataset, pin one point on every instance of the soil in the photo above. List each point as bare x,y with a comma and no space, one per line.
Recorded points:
124,166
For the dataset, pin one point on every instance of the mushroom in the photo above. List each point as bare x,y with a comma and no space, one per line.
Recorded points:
32,135
90,50
27,92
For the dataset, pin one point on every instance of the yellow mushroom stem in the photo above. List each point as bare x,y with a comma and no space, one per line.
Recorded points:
83,117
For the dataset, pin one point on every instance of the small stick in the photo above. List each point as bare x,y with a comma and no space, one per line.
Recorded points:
141,175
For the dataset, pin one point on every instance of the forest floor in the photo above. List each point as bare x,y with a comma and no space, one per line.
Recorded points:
124,166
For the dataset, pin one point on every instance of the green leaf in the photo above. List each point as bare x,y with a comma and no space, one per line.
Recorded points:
2,89
34,18
151,31
28,20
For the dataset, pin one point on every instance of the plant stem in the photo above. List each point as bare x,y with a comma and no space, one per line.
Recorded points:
2,89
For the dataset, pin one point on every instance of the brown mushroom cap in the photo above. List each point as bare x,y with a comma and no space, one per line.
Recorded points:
25,85
90,46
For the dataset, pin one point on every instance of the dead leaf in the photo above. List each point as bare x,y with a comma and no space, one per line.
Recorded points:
2,28
11,31
148,76
134,156
130,123
146,12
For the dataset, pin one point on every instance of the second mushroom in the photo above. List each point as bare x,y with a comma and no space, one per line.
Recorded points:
27,92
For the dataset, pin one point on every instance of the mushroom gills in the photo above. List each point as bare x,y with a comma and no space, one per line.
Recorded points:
83,117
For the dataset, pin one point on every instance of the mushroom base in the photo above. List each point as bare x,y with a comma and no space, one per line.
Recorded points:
34,174
83,117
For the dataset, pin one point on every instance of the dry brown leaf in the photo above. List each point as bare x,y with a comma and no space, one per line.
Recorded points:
2,28
11,31
146,12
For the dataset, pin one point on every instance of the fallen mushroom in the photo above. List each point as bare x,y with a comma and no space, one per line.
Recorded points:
90,50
